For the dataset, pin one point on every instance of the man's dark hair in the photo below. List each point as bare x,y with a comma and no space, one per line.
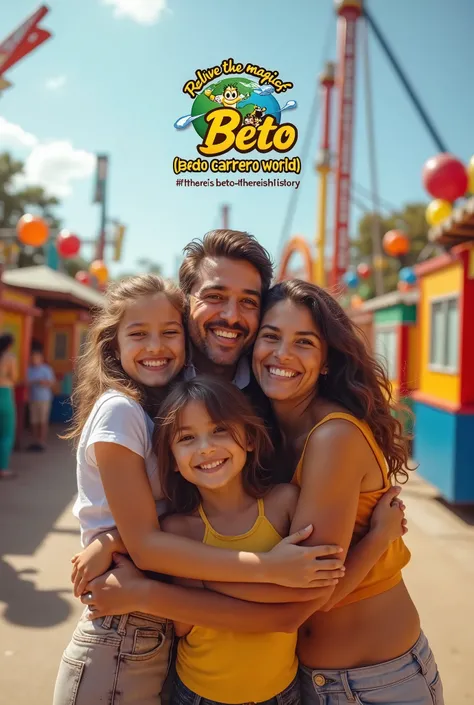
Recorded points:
233,244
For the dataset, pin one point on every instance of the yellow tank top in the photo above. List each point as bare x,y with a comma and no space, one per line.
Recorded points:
386,573
238,668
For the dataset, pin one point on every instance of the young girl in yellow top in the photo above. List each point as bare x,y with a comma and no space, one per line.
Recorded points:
208,445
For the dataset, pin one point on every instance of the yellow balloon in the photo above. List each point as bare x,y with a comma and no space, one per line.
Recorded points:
438,211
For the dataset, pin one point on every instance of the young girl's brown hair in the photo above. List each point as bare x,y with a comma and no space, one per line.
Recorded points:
227,406
98,368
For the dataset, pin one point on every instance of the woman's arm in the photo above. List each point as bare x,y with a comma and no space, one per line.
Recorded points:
388,523
125,589
132,505
334,465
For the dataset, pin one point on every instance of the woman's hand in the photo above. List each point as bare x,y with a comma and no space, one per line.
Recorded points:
388,518
296,566
117,592
93,561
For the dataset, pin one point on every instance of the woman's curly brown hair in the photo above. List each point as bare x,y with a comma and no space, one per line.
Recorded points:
355,378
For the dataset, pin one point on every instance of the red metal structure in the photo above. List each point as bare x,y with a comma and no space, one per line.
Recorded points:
23,40
323,167
349,12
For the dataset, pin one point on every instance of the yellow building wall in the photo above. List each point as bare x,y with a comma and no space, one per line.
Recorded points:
9,295
442,385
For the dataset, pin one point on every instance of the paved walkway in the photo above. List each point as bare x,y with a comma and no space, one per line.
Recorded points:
38,536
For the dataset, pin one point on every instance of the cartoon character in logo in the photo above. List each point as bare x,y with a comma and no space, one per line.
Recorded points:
256,117
253,101
229,97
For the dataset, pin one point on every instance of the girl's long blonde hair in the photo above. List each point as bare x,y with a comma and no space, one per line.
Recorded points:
98,368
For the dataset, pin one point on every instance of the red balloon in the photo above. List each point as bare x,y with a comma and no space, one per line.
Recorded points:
68,245
396,243
83,278
363,270
445,177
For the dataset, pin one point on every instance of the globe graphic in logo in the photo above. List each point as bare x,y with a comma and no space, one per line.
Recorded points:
253,102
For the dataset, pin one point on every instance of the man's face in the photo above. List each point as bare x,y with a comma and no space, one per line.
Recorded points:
225,309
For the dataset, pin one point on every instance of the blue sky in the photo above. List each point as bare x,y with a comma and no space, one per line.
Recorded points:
110,80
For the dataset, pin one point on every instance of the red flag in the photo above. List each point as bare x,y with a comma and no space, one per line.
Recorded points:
23,40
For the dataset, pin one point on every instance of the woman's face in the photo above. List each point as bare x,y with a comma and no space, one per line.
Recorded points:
289,352
151,343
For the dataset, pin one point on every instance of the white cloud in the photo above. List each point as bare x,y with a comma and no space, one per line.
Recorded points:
11,134
141,11
55,165
55,83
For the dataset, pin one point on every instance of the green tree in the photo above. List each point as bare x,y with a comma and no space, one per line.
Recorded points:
411,219
14,202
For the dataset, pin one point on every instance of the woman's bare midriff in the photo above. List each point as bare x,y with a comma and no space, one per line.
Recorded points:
363,633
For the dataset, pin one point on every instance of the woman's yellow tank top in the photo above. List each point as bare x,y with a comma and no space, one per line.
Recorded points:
237,668
386,573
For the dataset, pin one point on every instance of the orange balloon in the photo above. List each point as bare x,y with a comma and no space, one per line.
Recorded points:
100,271
396,243
32,230
356,301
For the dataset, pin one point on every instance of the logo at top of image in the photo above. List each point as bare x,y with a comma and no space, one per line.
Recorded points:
234,102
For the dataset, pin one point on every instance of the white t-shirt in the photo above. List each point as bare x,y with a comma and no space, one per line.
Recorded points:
115,418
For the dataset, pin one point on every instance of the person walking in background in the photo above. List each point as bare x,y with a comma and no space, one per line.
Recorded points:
41,380
8,377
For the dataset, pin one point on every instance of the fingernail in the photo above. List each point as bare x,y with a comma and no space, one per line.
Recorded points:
310,526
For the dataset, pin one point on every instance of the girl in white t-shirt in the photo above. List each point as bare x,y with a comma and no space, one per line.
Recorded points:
136,347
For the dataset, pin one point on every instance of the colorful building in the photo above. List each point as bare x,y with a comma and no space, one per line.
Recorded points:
388,325
41,304
444,402
394,340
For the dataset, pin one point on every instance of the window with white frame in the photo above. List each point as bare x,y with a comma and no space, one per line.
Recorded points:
386,350
444,344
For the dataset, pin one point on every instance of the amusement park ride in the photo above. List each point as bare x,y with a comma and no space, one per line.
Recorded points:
442,169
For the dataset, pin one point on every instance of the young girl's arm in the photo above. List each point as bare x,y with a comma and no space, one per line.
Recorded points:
387,524
132,505
125,589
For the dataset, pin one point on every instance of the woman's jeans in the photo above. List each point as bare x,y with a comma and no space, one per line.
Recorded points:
411,679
